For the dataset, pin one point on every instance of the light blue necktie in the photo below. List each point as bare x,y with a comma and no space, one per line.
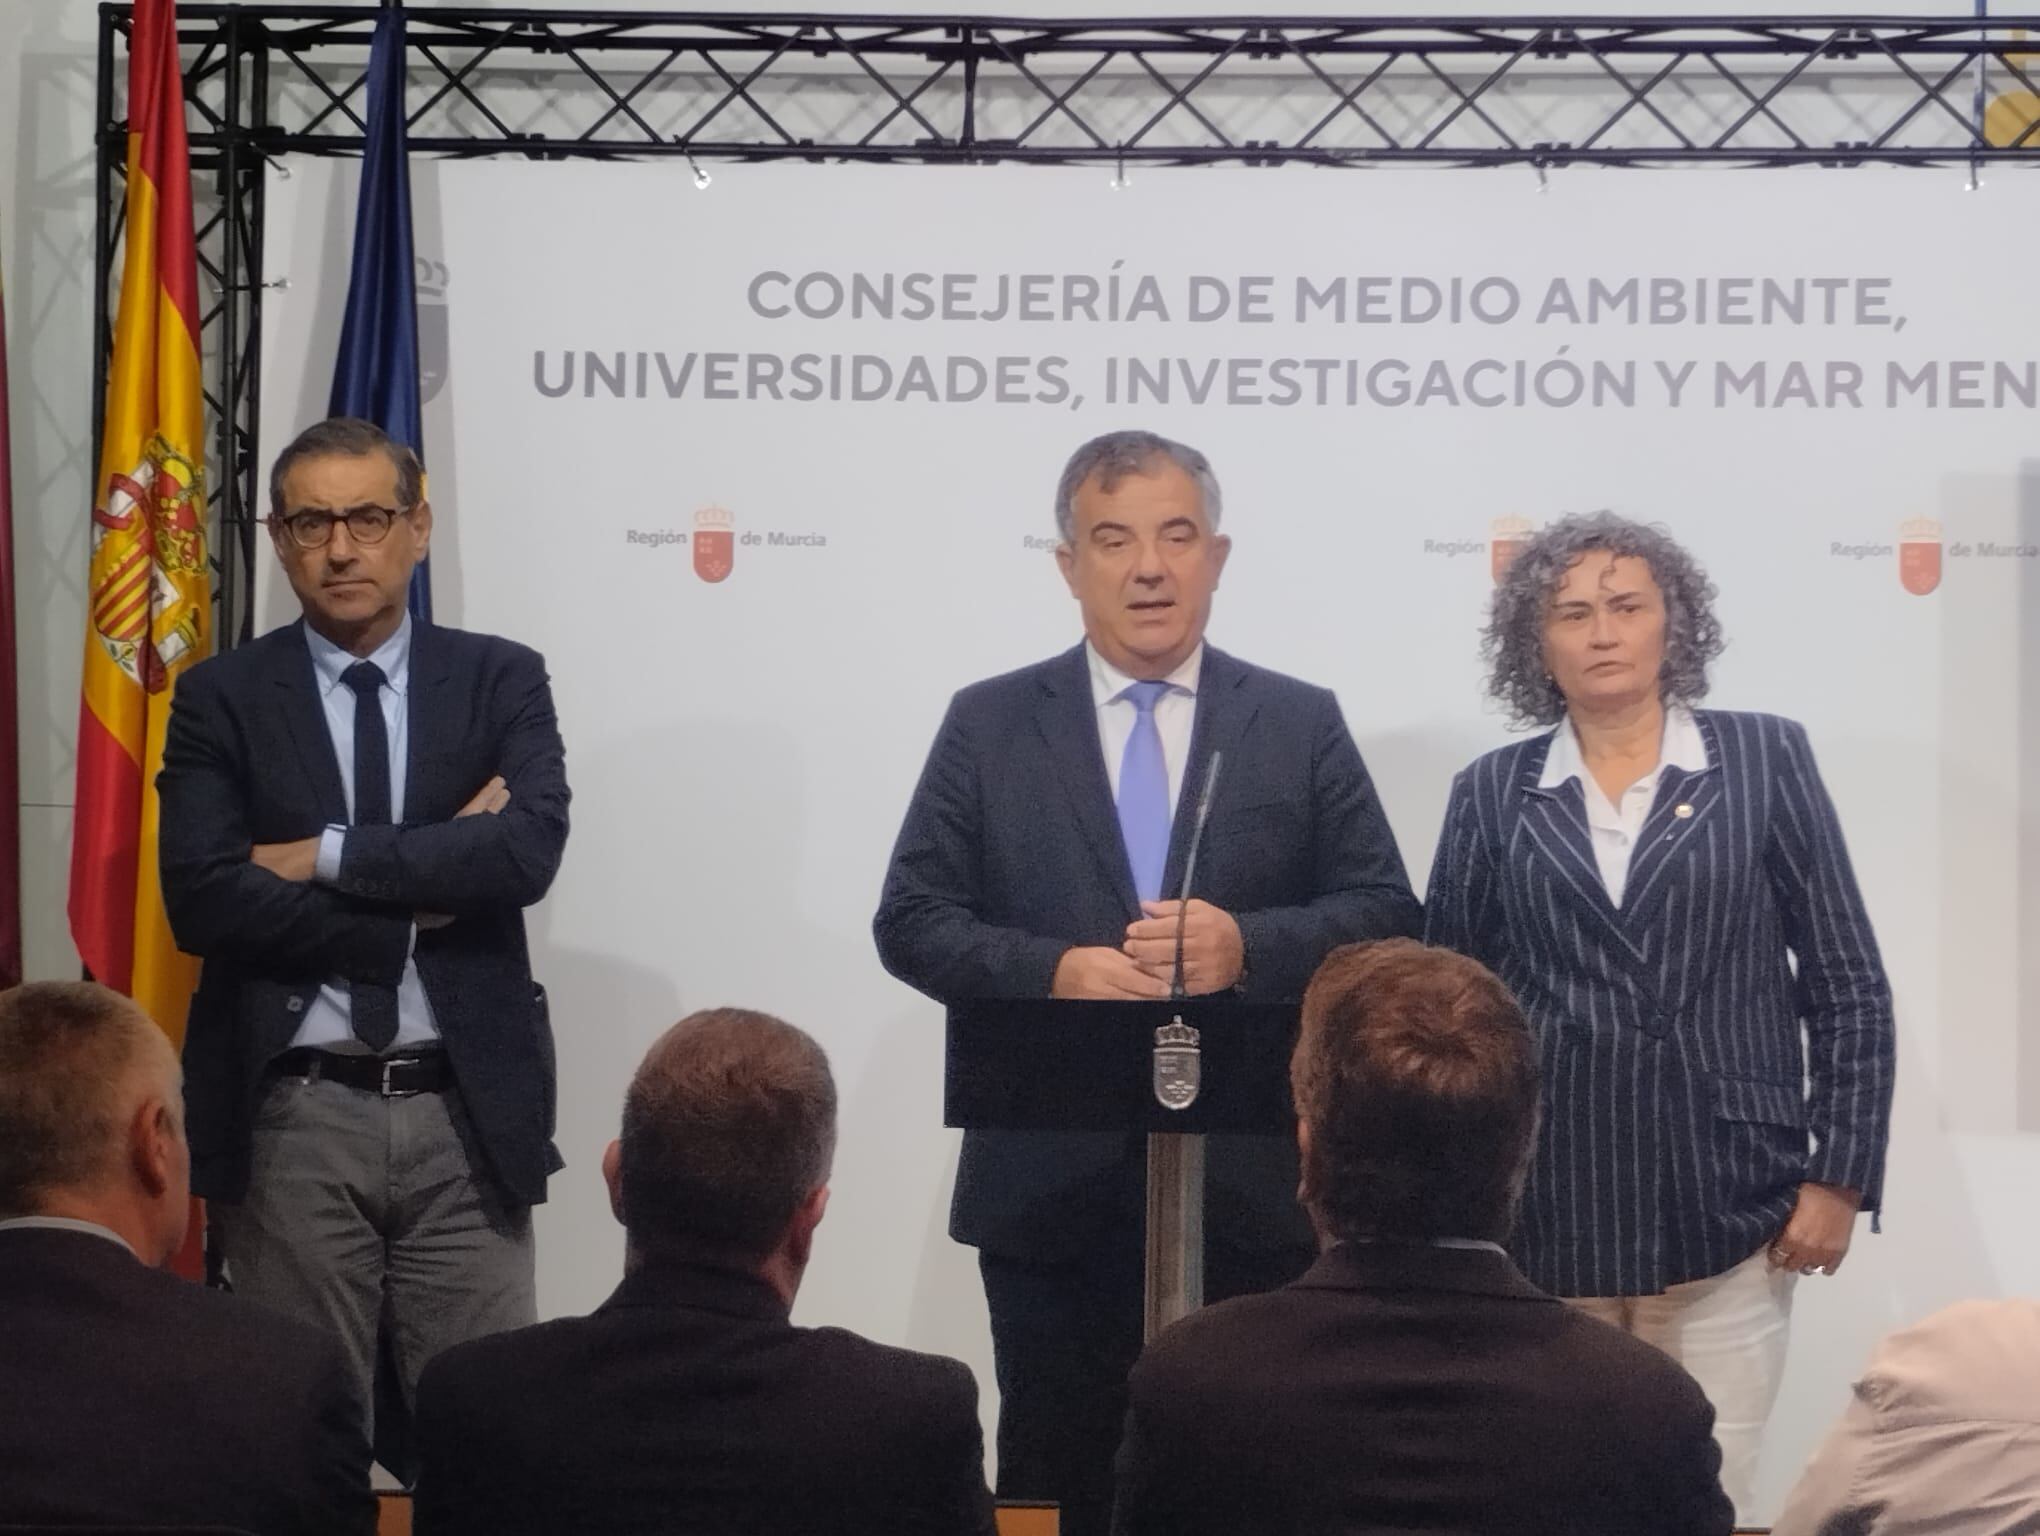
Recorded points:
1144,810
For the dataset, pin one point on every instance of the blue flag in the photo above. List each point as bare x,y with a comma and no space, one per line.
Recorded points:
376,375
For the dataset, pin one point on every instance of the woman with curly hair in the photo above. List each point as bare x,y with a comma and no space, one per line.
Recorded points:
1666,890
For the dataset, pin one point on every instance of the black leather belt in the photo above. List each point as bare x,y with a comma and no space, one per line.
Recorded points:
394,1077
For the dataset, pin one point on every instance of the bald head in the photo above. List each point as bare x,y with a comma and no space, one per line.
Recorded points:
729,1128
90,1106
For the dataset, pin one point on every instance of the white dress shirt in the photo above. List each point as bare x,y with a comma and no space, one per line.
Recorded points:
329,1022
1616,826
63,1224
1175,715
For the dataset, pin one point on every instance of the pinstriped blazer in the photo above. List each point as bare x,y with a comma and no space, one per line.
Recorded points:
1678,1120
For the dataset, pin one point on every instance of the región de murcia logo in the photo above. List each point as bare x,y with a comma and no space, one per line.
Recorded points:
1919,555
1178,1064
715,543
1506,538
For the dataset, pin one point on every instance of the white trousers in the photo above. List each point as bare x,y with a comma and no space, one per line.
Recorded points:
1729,1331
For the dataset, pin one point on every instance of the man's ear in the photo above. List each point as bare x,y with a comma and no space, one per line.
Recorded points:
1304,1193
153,1138
612,1175
800,1233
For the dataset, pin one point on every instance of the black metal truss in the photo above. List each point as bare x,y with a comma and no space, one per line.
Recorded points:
267,80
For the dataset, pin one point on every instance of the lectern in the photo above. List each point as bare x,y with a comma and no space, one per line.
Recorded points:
1174,1072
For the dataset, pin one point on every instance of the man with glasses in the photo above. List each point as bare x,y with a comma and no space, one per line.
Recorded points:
356,809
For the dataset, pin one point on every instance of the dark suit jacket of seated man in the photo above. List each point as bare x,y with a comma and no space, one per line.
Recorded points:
689,1402
1413,1380
129,1396
1028,866
357,808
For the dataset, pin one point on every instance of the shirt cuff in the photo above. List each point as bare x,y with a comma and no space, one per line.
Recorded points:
326,870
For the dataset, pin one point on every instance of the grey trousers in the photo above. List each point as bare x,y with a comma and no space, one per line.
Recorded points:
364,1216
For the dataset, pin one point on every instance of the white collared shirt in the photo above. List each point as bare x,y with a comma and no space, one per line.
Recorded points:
328,1021
1617,826
1175,715
63,1224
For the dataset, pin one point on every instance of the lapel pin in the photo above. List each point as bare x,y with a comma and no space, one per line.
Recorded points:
1682,811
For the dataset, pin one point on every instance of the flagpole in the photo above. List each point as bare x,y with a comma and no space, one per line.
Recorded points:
375,373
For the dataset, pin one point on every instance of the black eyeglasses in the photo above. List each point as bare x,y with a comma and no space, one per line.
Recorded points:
310,529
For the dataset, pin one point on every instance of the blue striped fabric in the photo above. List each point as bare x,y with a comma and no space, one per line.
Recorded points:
1679,1034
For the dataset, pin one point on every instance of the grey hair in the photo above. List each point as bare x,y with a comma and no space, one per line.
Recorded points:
1513,643
1116,455
70,1055
346,437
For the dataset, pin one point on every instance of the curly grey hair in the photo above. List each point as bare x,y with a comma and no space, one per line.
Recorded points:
1513,643
1116,455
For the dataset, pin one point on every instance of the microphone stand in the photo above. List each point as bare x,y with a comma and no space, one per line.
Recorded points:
1176,989
1175,1159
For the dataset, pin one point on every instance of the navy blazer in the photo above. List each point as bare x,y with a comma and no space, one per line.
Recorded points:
1011,854
1678,1124
248,759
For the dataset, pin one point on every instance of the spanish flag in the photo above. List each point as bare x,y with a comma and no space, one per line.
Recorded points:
149,609
2012,120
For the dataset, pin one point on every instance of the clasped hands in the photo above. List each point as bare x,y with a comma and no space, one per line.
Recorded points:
299,859
1142,966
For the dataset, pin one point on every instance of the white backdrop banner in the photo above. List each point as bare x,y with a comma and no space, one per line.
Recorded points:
766,470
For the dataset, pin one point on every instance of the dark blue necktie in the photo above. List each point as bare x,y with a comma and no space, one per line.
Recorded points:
1144,809
374,1009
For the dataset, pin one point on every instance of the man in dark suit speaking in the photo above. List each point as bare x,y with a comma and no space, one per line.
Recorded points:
357,809
1042,856
1413,1380
129,1397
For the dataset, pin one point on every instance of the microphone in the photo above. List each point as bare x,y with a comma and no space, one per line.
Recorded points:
1176,992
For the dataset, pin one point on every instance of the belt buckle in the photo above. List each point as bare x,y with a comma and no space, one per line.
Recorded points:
389,1066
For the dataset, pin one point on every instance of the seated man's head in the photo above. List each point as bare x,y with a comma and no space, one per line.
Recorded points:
92,1115
729,1129
1416,1090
